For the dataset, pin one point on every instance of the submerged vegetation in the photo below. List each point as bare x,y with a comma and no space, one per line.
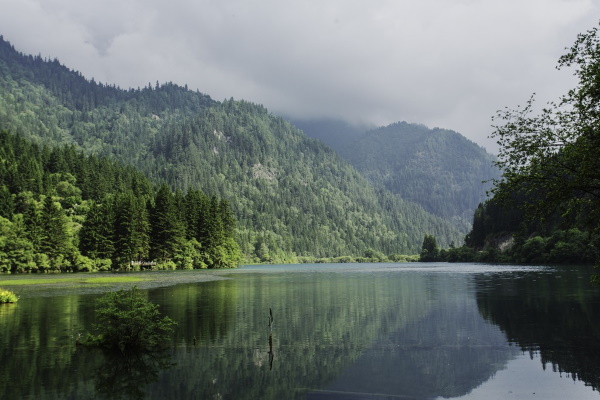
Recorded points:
128,322
74,280
370,256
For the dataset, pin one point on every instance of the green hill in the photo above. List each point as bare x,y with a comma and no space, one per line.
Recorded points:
291,194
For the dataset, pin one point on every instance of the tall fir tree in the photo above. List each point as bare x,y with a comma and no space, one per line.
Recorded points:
96,236
167,230
55,240
132,229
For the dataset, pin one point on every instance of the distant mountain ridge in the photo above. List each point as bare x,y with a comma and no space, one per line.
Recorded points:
440,169
292,195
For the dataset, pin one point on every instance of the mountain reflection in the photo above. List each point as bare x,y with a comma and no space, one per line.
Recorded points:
336,332
447,353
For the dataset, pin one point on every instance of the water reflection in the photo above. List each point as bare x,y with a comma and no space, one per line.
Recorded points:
126,376
553,315
444,353
319,333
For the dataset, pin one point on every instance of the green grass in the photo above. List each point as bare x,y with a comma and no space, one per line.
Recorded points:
74,280
6,296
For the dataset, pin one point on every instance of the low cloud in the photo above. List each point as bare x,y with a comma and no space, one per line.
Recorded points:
444,63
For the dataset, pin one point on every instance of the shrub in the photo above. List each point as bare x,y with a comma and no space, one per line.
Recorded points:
129,322
6,296
102,264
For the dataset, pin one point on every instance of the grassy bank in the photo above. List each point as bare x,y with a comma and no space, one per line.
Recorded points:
75,280
26,286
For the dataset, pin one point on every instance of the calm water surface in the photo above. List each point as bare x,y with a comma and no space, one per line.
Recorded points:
341,331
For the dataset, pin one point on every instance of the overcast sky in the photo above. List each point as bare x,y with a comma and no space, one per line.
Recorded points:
443,63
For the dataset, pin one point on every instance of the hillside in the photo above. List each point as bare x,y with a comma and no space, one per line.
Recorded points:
437,168
291,194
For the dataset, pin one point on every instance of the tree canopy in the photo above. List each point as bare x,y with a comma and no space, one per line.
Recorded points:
63,211
551,155
546,205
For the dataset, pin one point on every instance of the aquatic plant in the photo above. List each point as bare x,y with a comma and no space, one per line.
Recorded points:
6,296
129,322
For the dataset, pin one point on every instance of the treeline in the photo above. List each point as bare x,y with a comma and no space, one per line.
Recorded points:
61,210
77,93
504,232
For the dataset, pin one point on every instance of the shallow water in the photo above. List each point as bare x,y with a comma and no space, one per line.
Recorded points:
339,331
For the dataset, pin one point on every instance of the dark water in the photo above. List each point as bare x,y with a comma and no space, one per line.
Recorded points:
348,331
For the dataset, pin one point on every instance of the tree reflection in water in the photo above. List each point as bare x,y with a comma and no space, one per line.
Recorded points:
126,375
555,315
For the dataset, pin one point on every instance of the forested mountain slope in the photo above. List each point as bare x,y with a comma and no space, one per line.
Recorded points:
291,194
437,168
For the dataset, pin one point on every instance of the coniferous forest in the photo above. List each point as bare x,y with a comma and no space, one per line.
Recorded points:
292,196
61,210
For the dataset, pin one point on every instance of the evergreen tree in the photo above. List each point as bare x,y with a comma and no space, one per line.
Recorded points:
196,210
168,232
32,218
55,240
132,229
430,250
97,236
6,202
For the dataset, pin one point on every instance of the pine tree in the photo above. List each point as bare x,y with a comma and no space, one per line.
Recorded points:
429,250
7,205
55,240
167,230
96,237
132,229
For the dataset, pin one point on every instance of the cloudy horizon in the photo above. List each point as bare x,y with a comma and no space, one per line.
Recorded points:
442,63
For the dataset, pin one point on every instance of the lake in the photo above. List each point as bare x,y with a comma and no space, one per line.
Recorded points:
339,331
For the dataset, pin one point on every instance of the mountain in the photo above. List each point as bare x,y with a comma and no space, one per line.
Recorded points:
439,169
292,195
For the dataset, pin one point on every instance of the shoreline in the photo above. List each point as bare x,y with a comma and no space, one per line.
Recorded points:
44,285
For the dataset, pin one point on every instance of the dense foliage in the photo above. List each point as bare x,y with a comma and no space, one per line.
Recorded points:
6,296
504,232
429,250
128,322
548,199
293,196
63,211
